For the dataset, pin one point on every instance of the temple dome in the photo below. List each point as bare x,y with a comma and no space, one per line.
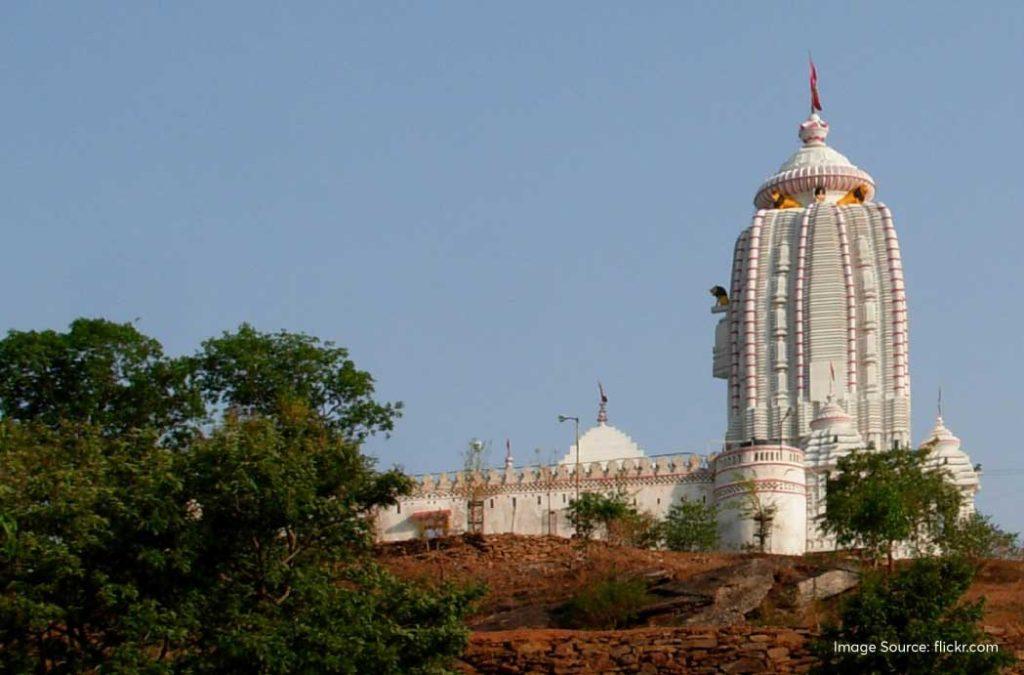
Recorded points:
603,443
833,435
830,415
815,164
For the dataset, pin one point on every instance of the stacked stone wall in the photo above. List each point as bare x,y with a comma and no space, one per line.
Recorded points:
695,650
729,649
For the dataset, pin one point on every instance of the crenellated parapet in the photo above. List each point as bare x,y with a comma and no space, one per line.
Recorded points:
631,471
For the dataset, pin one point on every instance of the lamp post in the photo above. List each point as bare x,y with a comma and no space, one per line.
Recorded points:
576,421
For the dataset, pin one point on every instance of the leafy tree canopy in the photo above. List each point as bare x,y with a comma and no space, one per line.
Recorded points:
977,537
691,526
242,549
98,372
880,499
114,377
593,510
261,372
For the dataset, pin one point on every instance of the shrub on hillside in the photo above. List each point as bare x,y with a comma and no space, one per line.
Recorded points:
637,529
691,526
977,537
593,511
607,604
919,605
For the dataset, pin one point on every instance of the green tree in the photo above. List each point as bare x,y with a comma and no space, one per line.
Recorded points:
691,526
880,499
101,373
243,552
243,549
285,584
94,549
976,537
593,511
259,373
919,605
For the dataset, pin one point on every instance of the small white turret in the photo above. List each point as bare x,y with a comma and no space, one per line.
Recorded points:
833,436
946,454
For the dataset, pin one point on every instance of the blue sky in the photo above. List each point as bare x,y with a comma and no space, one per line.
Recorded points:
493,205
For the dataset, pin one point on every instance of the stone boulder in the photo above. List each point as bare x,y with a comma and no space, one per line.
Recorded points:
826,585
735,591
718,597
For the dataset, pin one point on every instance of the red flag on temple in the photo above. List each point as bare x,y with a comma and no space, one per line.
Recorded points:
815,99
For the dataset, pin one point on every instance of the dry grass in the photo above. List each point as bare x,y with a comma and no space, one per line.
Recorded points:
1001,583
521,570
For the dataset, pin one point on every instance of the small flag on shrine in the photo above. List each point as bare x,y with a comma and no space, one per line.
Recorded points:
815,98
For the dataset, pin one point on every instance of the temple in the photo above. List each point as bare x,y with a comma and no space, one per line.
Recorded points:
812,342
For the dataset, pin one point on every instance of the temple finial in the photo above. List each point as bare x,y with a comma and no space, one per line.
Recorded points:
508,454
939,406
602,408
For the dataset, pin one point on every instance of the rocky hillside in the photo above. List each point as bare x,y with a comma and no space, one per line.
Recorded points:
691,612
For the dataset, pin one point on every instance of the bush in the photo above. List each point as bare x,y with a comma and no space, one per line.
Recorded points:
608,604
919,605
593,510
691,526
636,529
977,537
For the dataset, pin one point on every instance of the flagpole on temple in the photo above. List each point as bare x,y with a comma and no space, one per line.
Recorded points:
815,97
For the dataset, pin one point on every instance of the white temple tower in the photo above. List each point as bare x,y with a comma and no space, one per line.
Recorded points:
816,306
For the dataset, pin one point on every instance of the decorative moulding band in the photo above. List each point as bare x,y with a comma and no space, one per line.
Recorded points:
806,178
